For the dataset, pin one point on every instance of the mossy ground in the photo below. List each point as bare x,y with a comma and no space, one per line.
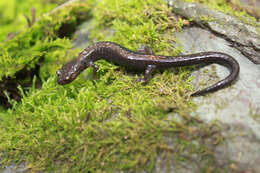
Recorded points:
44,40
113,123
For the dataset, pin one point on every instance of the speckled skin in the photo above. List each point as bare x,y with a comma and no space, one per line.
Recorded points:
145,60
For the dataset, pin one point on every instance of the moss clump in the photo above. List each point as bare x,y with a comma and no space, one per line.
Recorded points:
39,49
94,126
41,40
135,23
113,123
12,14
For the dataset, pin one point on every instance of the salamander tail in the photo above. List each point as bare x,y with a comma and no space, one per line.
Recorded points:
233,66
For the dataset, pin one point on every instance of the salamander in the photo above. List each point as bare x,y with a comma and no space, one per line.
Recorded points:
144,60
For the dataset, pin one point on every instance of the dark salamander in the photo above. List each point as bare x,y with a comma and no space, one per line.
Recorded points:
145,60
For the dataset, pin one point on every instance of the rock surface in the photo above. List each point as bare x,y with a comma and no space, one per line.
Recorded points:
243,36
237,108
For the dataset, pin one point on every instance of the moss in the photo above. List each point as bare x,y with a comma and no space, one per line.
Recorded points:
135,23
41,40
12,14
254,113
93,122
113,123
39,50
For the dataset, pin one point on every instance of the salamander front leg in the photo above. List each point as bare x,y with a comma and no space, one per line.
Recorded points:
95,69
150,68
148,73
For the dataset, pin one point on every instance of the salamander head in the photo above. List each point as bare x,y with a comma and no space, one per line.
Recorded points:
72,69
69,72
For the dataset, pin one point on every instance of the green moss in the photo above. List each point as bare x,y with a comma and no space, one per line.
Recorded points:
113,123
41,41
94,122
12,14
135,23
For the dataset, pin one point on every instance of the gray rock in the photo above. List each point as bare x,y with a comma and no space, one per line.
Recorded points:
14,168
243,36
236,107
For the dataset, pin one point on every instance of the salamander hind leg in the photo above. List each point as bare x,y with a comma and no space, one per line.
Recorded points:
148,73
145,50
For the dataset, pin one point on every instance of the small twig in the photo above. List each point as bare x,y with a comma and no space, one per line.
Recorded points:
29,21
33,16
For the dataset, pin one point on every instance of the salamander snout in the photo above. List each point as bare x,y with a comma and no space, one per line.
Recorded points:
63,78
68,72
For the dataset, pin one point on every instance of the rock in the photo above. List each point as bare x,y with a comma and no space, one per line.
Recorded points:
243,36
236,107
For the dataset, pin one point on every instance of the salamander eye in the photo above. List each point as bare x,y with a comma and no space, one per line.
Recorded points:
59,72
